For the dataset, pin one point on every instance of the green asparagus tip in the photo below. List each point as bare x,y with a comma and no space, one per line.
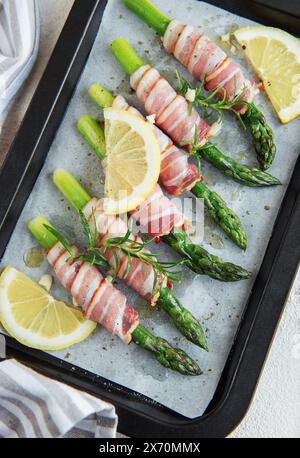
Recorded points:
182,318
245,174
126,55
169,357
263,136
221,214
93,134
101,96
71,188
40,233
149,14
201,261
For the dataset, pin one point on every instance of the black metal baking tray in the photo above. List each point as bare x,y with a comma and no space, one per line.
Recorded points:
140,416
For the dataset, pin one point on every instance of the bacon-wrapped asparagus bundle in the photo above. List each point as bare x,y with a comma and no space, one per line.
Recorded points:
172,116
177,174
161,218
103,303
207,61
160,99
140,275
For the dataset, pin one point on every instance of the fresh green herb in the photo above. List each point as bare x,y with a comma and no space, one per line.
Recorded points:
91,254
93,258
60,238
135,249
126,244
210,101
183,87
194,148
92,237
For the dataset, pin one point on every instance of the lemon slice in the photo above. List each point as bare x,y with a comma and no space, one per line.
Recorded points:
275,56
36,319
132,161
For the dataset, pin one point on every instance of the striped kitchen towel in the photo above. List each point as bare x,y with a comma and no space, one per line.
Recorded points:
32,405
19,40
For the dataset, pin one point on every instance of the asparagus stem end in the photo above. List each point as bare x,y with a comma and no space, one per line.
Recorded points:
71,188
100,96
149,14
169,357
93,134
126,55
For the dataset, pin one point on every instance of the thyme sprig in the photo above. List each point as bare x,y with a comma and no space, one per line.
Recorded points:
136,249
210,102
126,244
90,254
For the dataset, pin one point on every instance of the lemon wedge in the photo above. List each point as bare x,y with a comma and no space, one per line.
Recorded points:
132,162
275,56
34,318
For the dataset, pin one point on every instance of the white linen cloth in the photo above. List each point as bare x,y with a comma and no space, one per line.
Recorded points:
19,41
32,405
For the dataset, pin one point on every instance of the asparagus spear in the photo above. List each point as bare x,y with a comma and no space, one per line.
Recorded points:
198,259
244,174
201,261
216,206
184,321
261,132
263,137
250,176
170,357
221,214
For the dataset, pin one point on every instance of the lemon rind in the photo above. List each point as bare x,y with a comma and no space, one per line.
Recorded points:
141,192
242,35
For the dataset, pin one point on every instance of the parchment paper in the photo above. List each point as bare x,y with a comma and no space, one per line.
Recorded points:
218,305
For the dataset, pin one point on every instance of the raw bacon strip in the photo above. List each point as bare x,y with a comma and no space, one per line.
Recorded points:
185,44
176,173
140,276
204,59
159,215
99,299
170,109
